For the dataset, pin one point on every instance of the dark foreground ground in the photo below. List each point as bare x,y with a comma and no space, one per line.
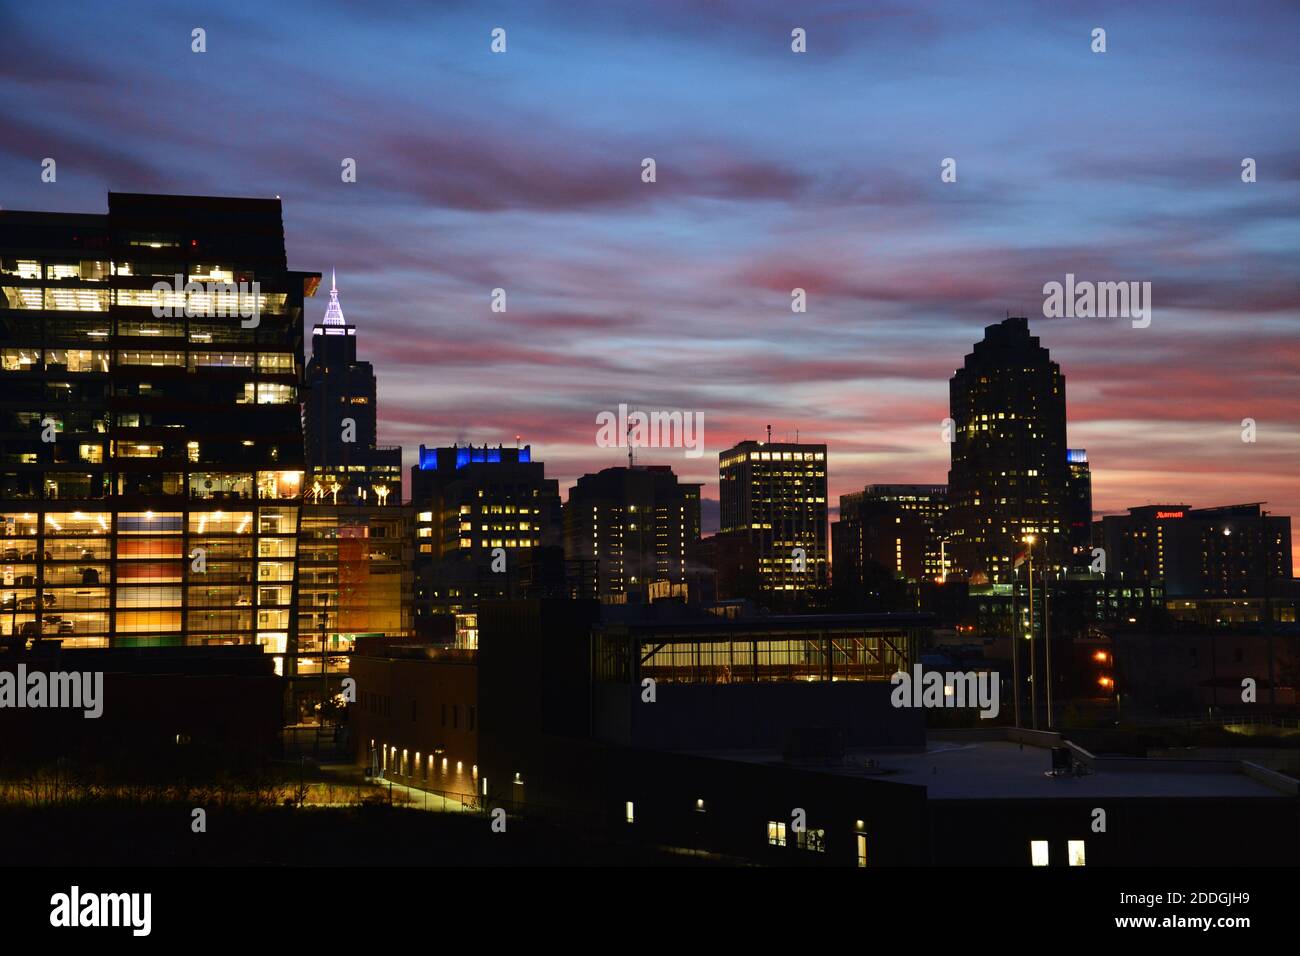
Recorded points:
109,834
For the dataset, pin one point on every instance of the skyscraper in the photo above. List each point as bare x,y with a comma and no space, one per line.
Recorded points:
638,526
150,434
1009,470
773,495
1079,508
345,463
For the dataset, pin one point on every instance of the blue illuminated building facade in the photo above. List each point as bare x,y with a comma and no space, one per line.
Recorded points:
434,459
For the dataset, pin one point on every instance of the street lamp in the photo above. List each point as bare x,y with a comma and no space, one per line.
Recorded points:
1029,539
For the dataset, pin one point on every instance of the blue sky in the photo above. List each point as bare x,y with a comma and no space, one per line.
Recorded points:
774,170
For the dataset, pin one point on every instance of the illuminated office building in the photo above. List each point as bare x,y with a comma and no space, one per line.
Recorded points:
639,527
1232,552
900,528
1009,469
151,454
773,494
356,580
476,509
345,464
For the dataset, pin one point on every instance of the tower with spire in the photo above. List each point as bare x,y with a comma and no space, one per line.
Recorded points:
345,463
334,312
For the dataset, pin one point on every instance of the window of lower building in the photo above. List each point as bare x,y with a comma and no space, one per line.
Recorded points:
775,833
814,840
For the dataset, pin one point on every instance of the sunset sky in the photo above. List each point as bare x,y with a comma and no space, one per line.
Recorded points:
775,170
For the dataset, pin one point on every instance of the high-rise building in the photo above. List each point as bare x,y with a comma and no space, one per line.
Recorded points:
480,514
151,451
638,527
1078,508
774,495
900,528
340,417
1009,470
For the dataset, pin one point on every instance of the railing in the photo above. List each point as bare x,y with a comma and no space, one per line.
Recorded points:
1245,720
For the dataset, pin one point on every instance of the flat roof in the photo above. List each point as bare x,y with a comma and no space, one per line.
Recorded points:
724,628
1003,770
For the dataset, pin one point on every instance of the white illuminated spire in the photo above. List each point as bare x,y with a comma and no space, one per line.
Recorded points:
334,312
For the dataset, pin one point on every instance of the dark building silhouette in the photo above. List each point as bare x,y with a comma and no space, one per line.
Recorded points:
731,565
774,495
163,708
151,450
340,417
1009,469
638,527
901,528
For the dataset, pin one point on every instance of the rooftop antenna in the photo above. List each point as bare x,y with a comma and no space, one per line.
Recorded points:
630,447
769,434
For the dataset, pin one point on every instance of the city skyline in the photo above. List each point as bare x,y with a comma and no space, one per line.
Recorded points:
773,173
860,434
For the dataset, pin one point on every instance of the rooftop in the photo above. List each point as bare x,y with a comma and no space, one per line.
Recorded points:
1005,770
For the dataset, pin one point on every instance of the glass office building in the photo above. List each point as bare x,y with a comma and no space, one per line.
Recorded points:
151,448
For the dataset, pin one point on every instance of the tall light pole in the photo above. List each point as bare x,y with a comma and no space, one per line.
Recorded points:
1014,633
1033,658
1047,634
1266,555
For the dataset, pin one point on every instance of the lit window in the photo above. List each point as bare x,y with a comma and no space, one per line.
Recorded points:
631,816
1038,852
1075,852
775,833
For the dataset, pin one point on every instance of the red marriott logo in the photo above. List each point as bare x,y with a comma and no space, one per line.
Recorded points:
1168,514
